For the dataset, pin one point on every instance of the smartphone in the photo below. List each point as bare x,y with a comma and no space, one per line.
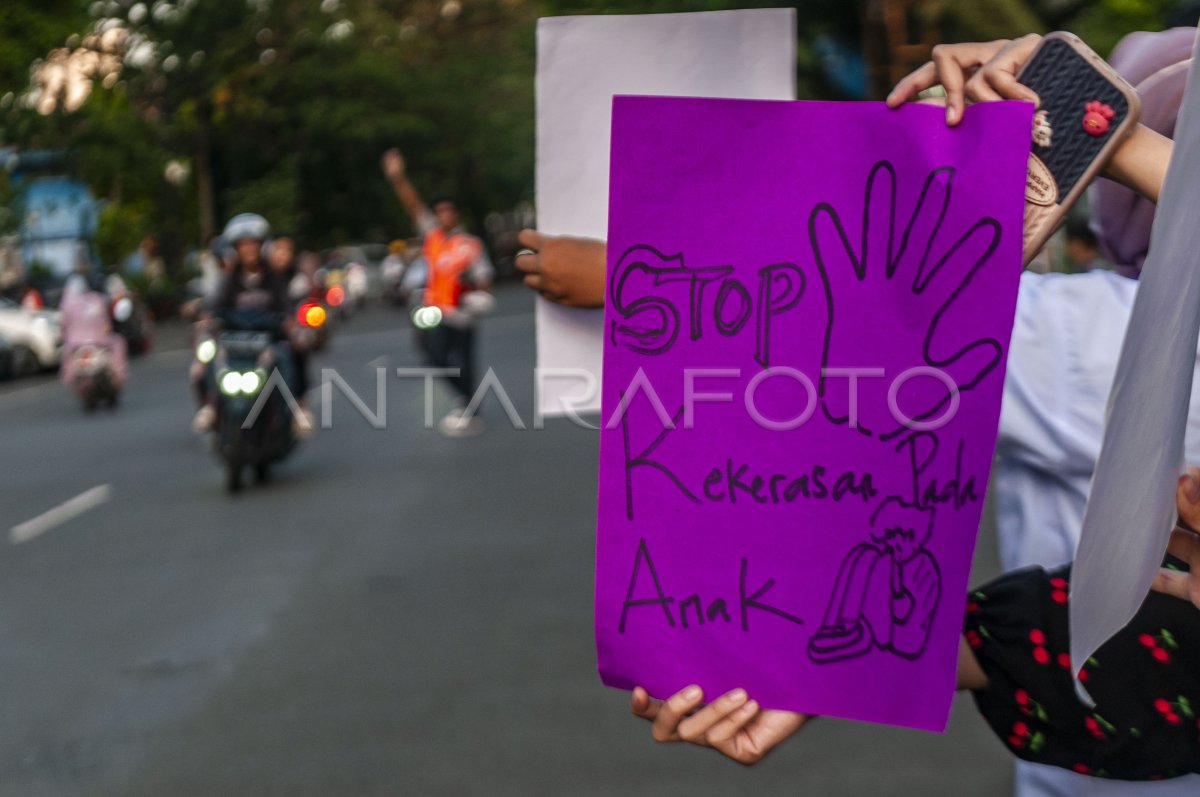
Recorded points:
1086,111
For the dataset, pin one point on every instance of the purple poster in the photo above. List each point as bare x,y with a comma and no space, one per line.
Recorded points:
809,307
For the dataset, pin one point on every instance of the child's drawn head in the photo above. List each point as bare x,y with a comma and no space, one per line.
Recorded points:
902,527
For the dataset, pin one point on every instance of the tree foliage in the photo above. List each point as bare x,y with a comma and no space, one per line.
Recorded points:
284,106
28,30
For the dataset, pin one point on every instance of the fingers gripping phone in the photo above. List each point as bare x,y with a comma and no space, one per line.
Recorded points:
1086,111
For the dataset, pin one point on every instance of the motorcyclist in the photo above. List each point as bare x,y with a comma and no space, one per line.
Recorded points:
221,257
281,254
252,286
86,314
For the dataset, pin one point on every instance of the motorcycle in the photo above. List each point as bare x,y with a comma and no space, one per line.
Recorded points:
345,288
312,331
334,296
93,376
93,356
401,274
131,319
253,429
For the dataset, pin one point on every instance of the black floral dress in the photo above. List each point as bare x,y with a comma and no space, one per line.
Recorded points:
1145,681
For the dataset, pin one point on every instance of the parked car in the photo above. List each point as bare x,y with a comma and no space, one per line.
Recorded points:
35,335
6,359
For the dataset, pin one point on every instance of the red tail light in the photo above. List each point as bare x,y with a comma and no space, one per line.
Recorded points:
311,314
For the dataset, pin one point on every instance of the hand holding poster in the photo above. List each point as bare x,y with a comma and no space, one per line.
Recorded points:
808,312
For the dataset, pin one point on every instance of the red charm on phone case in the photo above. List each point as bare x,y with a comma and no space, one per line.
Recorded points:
1096,118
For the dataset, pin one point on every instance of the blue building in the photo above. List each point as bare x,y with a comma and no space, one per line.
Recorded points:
59,213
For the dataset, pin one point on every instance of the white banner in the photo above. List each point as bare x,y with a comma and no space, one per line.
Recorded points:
582,63
1131,512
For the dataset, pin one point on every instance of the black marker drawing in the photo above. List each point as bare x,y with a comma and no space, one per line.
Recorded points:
936,278
643,459
695,611
887,591
650,324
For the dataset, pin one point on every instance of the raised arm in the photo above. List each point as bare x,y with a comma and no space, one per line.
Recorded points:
394,168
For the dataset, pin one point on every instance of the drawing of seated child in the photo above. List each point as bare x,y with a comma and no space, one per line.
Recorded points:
887,590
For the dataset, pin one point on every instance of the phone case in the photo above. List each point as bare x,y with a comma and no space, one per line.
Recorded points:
1086,110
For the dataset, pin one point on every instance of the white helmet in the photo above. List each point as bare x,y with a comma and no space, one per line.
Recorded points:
246,225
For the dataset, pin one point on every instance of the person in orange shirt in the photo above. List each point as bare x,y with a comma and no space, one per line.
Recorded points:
458,279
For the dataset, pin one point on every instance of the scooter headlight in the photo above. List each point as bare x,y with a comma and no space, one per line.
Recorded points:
206,351
250,382
231,382
427,317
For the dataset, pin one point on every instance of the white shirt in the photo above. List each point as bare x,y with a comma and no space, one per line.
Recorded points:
1065,346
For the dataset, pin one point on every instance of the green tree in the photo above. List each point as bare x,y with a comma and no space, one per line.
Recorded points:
284,106
28,30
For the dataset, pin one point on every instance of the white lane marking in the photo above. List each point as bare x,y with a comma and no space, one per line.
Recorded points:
88,499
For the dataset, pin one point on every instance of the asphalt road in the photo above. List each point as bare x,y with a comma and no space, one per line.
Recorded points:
396,613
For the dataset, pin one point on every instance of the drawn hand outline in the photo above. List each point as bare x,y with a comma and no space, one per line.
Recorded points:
939,279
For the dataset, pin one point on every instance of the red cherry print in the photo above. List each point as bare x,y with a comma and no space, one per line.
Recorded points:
1173,718
1058,583
1022,697
1064,661
972,607
1091,723
1160,655
1041,655
1016,741
1021,729
1083,676
1162,705
1082,769
1147,641
1058,596
974,640
1037,637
